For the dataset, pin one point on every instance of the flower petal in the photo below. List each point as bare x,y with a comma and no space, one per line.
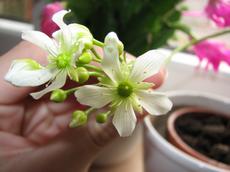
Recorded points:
110,63
124,119
58,18
42,40
80,31
94,96
27,72
154,103
58,82
66,35
147,65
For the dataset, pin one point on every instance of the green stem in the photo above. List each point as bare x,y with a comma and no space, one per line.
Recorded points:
97,60
95,53
92,67
98,43
96,74
206,37
97,56
71,90
89,110
195,41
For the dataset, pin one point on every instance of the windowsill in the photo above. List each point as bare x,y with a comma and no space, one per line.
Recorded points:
183,75
10,33
14,26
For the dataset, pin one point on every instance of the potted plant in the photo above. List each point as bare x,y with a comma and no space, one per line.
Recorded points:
202,133
160,151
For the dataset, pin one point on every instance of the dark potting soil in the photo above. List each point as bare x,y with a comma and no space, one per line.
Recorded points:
206,133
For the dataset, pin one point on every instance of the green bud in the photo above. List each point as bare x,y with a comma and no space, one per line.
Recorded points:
78,118
102,117
58,95
85,58
73,74
83,74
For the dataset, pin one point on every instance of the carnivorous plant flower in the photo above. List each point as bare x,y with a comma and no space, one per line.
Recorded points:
123,87
63,49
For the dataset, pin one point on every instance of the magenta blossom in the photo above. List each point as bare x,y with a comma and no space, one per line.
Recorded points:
47,25
219,12
214,52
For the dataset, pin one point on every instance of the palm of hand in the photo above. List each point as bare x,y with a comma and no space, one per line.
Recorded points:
30,123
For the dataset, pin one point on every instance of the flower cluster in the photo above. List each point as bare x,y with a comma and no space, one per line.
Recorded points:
121,88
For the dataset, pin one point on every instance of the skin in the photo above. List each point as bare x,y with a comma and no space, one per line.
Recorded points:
35,134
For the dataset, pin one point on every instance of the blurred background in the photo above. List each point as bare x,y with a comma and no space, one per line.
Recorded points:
140,24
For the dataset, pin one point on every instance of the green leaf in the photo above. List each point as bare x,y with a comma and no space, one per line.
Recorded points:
138,23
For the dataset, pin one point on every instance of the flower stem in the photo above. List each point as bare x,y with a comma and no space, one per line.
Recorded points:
96,74
89,110
97,60
195,41
92,67
97,56
98,43
71,90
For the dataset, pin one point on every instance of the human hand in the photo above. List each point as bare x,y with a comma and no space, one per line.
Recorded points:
34,135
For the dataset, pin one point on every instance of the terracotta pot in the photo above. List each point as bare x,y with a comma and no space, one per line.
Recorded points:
177,141
160,154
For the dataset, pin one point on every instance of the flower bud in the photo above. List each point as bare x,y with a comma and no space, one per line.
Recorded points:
73,74
102,117
83,74
112,39
78,118
85,58
58,95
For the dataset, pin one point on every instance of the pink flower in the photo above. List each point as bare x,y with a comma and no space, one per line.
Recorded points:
47,25
214,52
219,12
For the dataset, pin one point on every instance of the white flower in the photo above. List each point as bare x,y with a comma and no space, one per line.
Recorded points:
66,45
125,90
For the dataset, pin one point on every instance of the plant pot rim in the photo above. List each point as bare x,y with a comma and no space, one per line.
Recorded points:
175,139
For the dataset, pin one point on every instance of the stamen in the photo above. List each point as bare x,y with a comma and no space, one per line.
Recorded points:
62,61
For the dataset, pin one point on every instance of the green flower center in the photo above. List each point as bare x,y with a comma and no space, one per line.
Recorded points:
63,61
124,89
